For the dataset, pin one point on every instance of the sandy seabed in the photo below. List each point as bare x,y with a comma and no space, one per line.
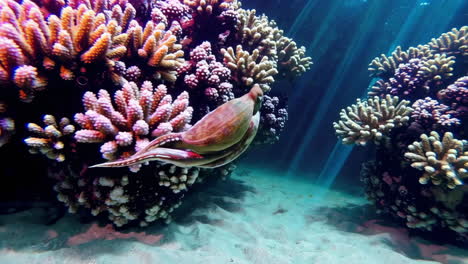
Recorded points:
256,217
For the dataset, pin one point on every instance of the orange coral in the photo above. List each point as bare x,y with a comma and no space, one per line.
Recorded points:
78,35
158,47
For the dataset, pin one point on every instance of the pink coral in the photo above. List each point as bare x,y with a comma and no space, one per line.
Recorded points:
139,115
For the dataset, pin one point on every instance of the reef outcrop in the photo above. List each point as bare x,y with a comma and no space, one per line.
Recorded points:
421,158
87,82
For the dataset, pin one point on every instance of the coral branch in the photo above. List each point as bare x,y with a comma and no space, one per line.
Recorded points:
51,140
443,162
371,119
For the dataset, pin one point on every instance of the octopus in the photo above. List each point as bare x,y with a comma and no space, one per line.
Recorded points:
215,140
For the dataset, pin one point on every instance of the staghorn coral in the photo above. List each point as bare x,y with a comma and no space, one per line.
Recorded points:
452,43
256,32
371,120
137,115
292,60
249,69
437,68
443,161
385,67
52,139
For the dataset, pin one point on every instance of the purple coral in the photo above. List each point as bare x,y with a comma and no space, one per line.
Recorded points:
407,81
272,120
139,115
428,112
205,73
170,10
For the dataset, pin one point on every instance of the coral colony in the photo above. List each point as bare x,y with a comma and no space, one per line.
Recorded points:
417,114
116,80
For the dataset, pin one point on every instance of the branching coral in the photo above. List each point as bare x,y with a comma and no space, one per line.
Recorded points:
452,43
444,162
52,139
257,32
437,68
250,69
291,59
139,115
78,36
203,72
210,7
385,67
158,47
423,76
430,113
272,120
416,78
456,94
120,46
371,120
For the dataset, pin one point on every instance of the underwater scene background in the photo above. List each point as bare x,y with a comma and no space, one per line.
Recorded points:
214,131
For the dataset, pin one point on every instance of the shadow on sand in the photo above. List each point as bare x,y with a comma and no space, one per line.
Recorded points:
362,219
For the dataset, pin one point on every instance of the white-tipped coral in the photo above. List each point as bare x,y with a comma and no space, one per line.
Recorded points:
453,42
443,162
250,69
51,139
384,66
372,119
137,116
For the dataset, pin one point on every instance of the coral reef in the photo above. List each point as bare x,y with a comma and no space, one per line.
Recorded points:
143,70
418,173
